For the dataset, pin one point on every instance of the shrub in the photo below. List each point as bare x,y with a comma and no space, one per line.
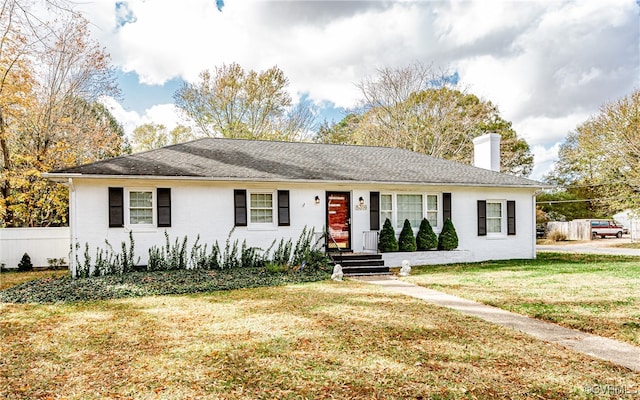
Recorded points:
407,241
388,240
448,239
201,259
426,238
557,236
25,263
108,262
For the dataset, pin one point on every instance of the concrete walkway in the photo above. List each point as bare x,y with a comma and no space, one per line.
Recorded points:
611,350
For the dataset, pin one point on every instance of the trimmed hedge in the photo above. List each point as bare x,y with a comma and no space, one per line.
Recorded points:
426,239
387,242
407,241
448,239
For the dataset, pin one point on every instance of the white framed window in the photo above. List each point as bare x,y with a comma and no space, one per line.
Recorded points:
409,206
386,208
261,208
140,207
432,210
412,206
495,218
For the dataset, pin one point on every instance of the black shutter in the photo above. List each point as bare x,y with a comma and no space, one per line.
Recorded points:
446,206
374,211
482,218
240,207
511,217
283,208
164,207
116,207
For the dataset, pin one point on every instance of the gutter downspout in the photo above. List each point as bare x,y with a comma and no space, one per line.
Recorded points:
72,229
535,232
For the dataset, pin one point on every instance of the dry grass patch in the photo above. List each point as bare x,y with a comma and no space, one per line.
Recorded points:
548,241
14,278
592,293
319,340
632,245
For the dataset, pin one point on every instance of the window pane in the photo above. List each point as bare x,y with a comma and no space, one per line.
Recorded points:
432,209
494,225
261,208
494,217
409,207
432,202
385,202
386,208
494,210
432,217
140,208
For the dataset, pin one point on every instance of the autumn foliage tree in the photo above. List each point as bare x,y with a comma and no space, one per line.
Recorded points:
600,160
153,136
234,103
413,109
51,78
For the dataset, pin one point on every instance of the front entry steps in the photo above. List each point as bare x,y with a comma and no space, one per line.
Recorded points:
357,264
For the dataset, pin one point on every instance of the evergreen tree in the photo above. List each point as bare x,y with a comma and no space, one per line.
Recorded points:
448,239
388,240
407,241
25,263
426,238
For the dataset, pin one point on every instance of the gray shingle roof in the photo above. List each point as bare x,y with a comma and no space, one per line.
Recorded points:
234,159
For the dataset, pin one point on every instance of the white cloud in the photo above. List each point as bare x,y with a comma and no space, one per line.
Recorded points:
544,158
163,114
546,65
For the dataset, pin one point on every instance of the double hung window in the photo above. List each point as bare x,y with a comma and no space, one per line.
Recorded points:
261,208
141,207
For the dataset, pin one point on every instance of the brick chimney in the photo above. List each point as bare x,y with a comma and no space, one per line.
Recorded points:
486,152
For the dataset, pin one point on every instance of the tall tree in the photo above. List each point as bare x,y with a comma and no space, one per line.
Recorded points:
55,119
235,103
601,158
404,108
153,136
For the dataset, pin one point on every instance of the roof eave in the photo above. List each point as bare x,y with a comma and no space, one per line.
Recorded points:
60,177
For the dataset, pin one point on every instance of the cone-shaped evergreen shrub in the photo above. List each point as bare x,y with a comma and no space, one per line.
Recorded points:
25,263
388,240
448,239
426,238
407,241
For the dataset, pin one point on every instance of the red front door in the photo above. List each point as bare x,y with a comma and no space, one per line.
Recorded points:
339,220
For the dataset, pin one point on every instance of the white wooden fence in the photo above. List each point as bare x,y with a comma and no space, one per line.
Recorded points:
634,230
574,230
40,243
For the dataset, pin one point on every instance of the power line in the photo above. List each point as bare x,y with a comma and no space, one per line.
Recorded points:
574,201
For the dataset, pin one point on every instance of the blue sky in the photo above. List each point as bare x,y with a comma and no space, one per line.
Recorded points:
547,65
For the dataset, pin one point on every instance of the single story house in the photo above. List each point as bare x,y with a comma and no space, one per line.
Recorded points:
270,190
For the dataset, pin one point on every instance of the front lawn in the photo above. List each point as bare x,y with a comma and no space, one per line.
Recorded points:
306,341
13,278
593,293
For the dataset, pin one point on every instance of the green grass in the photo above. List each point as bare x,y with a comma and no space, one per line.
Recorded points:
308,341
593,293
